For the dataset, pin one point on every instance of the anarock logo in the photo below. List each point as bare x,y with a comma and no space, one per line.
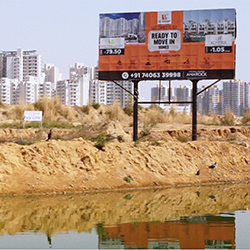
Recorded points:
196,74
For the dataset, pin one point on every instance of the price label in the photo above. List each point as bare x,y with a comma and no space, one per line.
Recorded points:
218,49
112,52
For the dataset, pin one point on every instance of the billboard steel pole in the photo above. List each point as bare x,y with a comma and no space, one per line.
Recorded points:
194,110
135,111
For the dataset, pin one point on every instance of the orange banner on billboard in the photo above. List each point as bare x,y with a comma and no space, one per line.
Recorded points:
164,45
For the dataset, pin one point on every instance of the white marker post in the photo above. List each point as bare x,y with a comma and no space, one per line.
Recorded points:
35,116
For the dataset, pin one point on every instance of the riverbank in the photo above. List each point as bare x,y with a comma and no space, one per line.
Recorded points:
161,158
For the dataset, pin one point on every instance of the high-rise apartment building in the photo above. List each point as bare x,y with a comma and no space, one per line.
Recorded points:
75,90
182,93
20,63
211,101
233,97
116,93
8,90
62,91
98,92
78,71
28,90
52,74
158,93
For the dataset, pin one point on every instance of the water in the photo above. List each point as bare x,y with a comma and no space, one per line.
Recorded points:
208,217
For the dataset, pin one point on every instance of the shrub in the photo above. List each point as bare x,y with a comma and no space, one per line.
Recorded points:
127,179
246,118
154,143
129,108
115,112
127,197
228,119
101,141
96,105
85,109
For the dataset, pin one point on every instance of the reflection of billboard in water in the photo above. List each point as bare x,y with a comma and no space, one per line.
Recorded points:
200,232
198,44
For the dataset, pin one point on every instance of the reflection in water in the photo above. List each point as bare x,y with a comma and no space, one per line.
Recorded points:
197,232
158,218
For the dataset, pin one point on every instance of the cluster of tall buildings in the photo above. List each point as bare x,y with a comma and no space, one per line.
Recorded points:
234,96
24,79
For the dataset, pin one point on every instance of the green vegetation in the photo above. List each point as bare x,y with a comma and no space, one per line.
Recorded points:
154,143
101,141
96,105
127,197
127,179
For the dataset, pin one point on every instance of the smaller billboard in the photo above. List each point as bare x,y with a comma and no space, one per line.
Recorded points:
33,116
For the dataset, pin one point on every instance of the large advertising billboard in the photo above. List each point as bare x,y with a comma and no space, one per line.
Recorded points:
167,45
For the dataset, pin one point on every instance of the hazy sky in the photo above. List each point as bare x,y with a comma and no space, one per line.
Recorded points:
66,31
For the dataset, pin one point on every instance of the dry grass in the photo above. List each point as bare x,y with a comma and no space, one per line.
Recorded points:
209,120
155,114
115,112
56,114
53,110
229,119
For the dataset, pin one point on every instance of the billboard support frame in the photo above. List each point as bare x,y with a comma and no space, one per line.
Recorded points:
135,111
193,102
194,109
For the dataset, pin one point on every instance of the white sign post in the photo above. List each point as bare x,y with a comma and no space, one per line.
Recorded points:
36,116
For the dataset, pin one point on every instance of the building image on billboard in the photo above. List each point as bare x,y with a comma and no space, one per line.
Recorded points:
165,45
130,26
199,25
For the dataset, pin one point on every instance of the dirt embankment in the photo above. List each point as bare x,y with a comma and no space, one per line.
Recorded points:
159,159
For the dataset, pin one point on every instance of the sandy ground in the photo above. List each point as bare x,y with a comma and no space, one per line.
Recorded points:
163,158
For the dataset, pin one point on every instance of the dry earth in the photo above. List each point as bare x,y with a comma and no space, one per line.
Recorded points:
162,158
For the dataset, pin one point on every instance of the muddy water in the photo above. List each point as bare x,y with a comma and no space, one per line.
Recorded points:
188,217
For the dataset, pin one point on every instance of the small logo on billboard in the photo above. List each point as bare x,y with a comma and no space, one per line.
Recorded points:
188,63
109,43
167,61
119,65
219,40
206,63
164,17
196,74
132,64
125,75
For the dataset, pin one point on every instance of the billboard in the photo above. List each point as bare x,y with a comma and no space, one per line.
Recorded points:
164,45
